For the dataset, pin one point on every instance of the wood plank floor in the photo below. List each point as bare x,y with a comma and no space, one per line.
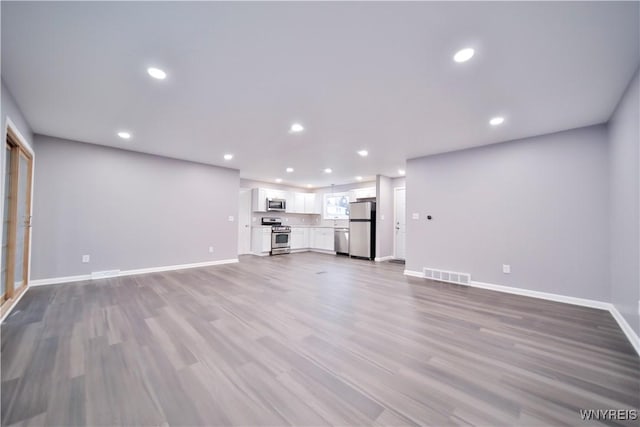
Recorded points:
306,339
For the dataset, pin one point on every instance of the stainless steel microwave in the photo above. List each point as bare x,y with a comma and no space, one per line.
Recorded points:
279,205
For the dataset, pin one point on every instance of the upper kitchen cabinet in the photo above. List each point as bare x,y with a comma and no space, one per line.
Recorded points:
297,203
311,203
361,193
303,203
259,198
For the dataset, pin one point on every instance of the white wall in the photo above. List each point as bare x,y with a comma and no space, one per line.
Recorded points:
127,210
624,139
538,204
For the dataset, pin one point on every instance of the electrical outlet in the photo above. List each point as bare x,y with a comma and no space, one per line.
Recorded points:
415,215
231,218
86,259
506,268
210,249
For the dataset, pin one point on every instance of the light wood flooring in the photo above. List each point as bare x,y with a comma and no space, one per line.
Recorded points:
306,340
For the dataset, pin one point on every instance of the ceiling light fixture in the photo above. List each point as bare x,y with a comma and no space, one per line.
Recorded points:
363,153
309,186
157,73
278,180
328,170
358,178
496,121
401,172
124,135
296,128
289,170
228,156
463,55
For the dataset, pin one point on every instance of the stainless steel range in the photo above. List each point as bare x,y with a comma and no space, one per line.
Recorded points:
280,236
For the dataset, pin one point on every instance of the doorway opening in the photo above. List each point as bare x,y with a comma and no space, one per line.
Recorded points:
399,220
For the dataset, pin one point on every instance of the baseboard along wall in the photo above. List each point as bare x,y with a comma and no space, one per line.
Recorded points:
622,322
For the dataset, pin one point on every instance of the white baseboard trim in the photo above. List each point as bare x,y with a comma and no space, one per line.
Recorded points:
322,251
633,338
260,253
62,279
414,273
622,322
383,258
542,295
177,267
80,278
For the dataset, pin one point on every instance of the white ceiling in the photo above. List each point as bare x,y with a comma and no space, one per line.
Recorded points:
377,76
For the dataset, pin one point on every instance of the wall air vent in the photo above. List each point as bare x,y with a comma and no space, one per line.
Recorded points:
446,276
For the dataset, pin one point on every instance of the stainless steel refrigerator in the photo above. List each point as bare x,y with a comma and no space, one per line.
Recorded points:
362,230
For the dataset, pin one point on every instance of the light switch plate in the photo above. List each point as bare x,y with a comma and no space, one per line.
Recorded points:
415,215
231,218
86,259
381,217
506,268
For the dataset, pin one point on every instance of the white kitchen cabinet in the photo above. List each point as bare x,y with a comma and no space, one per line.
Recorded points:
302,203
322,238
261,240
259,200
310,205
361,193
297,204
299,238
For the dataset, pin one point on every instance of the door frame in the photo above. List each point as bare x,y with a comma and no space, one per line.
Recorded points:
13,136
250,213
395,202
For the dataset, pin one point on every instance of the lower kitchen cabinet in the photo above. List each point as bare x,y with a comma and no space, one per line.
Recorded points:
322,238
299,238
260,240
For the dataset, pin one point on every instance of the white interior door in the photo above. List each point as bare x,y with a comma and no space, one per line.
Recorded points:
400,223
244,222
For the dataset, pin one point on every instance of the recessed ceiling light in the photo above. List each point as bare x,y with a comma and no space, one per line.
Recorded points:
124,135
401,172
328,170
296,127
463,55
278,180
496,121
309,186
228,156
363,153
358,178
289,170
157,73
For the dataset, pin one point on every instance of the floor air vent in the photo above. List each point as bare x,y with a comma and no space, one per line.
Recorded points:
447,276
